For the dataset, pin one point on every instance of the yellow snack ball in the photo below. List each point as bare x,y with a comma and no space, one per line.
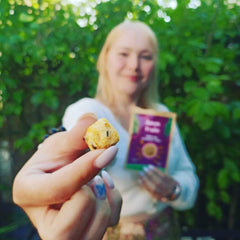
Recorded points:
101,134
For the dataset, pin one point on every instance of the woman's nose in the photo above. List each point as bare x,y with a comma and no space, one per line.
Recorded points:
134,63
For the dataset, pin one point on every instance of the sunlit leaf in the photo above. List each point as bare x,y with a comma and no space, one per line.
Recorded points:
26,17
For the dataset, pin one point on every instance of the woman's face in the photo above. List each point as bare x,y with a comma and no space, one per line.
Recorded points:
130,62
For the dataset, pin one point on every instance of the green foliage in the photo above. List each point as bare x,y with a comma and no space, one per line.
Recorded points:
199,80
48,61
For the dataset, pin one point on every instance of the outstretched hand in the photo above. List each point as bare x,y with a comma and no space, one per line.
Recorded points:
53,191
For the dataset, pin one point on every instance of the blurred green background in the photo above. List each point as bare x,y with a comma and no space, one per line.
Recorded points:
48,51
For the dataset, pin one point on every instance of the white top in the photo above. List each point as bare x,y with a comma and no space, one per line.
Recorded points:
136,200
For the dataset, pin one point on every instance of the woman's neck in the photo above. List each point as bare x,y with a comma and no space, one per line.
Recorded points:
121,108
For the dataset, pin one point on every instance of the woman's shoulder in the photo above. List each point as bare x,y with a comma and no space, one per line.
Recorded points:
77,109
83,102
161,107
83,105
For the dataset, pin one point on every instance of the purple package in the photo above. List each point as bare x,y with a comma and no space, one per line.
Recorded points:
150,139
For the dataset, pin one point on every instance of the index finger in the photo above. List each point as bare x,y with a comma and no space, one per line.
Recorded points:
65,145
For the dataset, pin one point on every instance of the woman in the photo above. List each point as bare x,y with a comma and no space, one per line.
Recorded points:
127,78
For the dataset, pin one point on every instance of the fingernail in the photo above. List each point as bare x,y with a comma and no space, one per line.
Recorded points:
151,167
146,169
141,174
99,188
108,180
106,157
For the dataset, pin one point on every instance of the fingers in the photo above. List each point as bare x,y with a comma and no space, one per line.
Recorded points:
34,187
68,221
77,214
69,178
159,184
86,215
103,211
151,185
108,205
114,199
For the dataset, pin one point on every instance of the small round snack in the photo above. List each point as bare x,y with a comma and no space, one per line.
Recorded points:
101,134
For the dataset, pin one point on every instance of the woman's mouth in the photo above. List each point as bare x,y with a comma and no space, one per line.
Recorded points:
134,78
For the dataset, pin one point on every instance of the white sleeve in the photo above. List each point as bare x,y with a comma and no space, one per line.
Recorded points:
183,171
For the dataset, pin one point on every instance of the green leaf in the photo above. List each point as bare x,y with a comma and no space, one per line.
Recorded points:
223,178
224,131
201,93
190,86
224,196
236,113
214,210
213,64
23,17
187,71
214,86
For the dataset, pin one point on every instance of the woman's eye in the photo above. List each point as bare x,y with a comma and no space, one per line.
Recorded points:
123,54
147,57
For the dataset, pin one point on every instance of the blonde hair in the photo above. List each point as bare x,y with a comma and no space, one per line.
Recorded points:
150,94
